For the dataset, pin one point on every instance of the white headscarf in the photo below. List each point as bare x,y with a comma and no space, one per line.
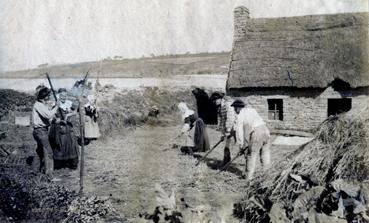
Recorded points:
185,111
91,100
66,106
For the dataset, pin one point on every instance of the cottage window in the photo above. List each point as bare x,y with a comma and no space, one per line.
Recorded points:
339,105
275,109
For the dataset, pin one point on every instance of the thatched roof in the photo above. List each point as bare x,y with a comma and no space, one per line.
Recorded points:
306,51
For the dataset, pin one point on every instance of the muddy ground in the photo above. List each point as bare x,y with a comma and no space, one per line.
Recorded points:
127,166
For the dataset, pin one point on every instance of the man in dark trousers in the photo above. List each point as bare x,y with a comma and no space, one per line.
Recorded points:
226,119
41,119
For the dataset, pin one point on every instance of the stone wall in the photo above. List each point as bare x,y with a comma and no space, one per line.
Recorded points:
303,109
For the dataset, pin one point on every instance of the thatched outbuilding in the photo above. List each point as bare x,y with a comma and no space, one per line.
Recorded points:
296,71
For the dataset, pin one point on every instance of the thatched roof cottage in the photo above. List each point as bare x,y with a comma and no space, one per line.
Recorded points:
297,71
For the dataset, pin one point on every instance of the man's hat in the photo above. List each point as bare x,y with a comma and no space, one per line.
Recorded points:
216,95
62,90
238,103
40,86
43,93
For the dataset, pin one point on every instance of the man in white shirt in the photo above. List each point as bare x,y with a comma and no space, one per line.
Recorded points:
41,119
252,132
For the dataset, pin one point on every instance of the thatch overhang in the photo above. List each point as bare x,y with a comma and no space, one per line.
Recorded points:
301,52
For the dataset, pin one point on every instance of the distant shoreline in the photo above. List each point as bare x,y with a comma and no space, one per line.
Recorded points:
160,66
95,76
207,81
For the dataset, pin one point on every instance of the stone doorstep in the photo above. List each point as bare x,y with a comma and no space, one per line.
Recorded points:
291,140
291,133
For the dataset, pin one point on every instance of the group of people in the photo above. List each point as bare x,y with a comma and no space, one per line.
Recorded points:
53,129
58,145
236,120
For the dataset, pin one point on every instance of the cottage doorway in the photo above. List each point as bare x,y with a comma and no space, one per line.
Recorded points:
206,109
339,105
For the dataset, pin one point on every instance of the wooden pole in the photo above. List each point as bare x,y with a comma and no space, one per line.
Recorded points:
55,98
82,135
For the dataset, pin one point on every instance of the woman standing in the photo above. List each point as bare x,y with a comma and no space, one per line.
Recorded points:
92,131
61,135
194,129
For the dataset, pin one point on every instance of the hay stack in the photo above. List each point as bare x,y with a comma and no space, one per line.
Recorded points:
122,109
338,151
11,100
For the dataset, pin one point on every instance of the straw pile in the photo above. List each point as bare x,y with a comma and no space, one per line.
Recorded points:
334,166
11,100
121,109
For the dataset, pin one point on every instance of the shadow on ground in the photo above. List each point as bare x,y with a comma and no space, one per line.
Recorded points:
216,164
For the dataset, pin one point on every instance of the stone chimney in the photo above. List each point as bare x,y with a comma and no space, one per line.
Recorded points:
241,15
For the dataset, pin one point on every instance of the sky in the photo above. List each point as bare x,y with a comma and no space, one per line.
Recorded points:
34,32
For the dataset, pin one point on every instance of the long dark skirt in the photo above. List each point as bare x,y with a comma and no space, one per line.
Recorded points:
70,163
64,145
201,138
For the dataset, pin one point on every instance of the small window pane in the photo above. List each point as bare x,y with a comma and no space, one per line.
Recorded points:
275,109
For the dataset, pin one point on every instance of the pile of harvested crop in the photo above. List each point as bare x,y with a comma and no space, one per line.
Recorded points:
29,195
339,151
11,100
323,179
119,109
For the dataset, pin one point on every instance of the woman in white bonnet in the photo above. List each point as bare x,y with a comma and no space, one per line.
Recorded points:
197,139
92,131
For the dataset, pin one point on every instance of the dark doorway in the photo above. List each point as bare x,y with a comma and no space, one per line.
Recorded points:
275,109
206,110
339,105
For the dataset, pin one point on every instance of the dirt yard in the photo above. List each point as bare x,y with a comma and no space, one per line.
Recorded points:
126,167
